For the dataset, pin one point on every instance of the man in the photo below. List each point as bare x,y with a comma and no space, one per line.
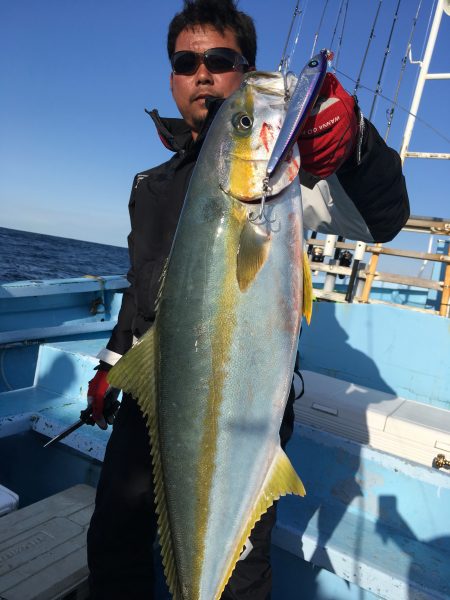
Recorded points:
352,185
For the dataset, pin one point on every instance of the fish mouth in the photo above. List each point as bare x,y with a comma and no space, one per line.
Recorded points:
254,200
244,180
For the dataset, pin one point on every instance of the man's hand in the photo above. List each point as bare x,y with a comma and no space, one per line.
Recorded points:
330,132
103,400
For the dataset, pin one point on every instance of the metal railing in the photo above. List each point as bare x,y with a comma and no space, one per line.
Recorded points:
364,276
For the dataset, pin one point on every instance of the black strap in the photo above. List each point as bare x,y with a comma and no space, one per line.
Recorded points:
297,372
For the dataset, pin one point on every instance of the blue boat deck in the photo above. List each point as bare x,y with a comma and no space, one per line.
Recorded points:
372,525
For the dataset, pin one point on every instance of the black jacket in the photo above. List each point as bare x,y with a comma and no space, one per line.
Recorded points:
365,200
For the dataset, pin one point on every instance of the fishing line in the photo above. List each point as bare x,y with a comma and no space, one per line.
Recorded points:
428,28
341,37
336,26
283,56
390,111
430,18
371,36
383,64
297,36
364,87
319,28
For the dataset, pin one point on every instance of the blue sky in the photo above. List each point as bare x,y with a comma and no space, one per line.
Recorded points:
76,76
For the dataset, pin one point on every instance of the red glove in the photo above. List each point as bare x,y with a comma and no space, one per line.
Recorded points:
103,399
330,132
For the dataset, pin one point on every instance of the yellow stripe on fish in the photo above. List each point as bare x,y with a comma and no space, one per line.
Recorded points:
224,330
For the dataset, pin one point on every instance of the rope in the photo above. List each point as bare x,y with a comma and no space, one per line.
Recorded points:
390,111
383,64
371,36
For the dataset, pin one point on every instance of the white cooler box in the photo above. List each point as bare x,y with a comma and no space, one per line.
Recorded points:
9,501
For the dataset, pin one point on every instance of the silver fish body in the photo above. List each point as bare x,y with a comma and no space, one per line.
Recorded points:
213,374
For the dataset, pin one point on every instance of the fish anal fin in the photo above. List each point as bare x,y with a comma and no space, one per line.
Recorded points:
136,374
307,289
254,245
280,481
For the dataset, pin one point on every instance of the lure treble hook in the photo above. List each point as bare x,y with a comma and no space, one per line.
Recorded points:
262,215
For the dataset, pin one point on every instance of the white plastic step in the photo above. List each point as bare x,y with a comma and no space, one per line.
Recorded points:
43,547
402,427
9,500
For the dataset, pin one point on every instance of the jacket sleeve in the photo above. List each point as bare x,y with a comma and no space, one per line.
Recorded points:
121,338
365,199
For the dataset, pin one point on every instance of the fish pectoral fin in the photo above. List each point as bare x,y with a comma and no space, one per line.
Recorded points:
135,372
307,288
254,245
281,480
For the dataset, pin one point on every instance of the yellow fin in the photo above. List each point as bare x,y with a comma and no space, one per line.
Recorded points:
307,288
254,245
136,373
280,480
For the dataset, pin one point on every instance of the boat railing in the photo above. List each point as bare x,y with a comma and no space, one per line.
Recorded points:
366,284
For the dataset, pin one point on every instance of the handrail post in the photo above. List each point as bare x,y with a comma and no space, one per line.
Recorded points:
444,309
328,250
373,263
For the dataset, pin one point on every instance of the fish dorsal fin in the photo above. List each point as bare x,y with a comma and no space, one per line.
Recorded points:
254,245
307,288
136,373
281,480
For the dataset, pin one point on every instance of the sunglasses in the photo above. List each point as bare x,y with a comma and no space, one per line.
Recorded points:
216,60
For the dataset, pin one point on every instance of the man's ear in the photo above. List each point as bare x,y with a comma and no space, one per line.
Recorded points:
171,82
251,69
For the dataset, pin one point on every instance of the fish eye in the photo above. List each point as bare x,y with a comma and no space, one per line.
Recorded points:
242,122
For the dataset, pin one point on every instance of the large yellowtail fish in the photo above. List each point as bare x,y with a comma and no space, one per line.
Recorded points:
213,374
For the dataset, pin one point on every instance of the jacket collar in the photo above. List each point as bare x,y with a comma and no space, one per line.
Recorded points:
175,133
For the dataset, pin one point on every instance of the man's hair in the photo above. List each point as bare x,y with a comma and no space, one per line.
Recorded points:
220,14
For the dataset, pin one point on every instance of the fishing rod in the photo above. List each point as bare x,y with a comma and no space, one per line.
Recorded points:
341,37
383,64
390,112
283,61
286,59
337,23
371,36
319,28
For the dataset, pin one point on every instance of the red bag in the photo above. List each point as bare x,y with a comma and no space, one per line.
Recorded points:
330,132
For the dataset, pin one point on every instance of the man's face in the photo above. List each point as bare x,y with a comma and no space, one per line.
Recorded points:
190,91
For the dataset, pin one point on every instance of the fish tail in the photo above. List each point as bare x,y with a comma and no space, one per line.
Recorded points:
280,481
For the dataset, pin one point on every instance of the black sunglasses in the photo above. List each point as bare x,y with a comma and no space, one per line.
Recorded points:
216,60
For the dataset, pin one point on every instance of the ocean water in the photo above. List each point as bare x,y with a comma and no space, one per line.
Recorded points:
25,255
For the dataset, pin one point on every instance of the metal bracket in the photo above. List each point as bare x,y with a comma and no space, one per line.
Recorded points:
440,462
